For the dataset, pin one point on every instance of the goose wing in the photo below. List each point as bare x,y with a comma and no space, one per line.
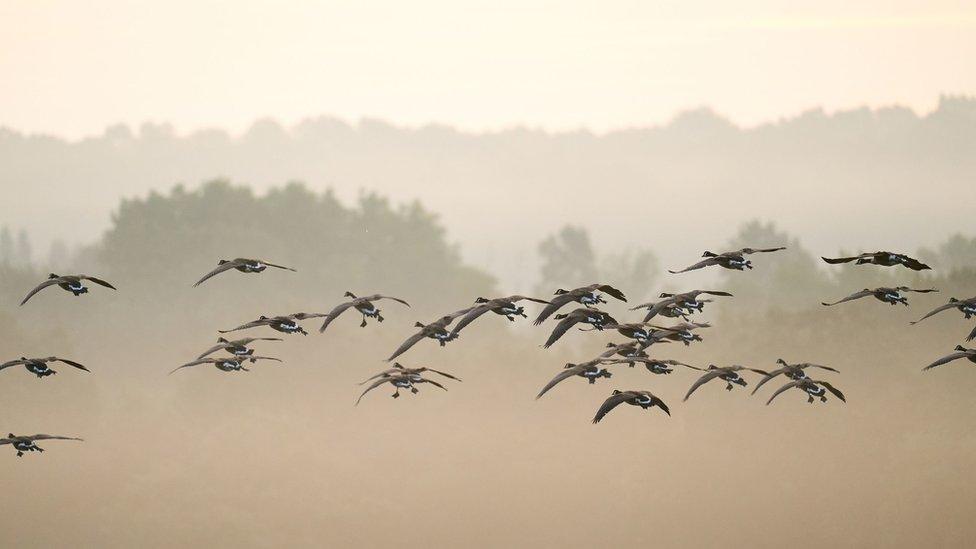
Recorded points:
837,260
251,324
611,403
197,362
98,281
432,382
915,264
822,367
612,292
11,363
214,349
852,297
225,266
947,359
565,374
972,335
712,374
766,378
410,342
907,289
745,251
560,329
835,391
937,310
375,384
517,298
700,265
470,317
554,306
334,313
252,358
269,264
41,286
783,389
712,292
50,437
445,374
377,297
68,362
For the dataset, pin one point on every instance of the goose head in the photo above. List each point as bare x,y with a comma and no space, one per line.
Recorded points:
560,291
419,325
481,300
52,275
349,294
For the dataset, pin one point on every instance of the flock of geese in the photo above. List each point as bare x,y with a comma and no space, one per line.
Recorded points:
234,355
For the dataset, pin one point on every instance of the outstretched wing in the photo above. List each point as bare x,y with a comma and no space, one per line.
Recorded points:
214,349
39,287
611,403
822,367
410,342
279,266
333,314
51,437
434,383
852,297
700,265
560,329
972,335
612,292
760,250
225,266
190,364
937,310
783,389
98,281
836,260
766,378
378,297
835,391
517,298
915,264
252,324
946,359
553,306
907,289
703,380
371,387
68,362
17,362
565,374
715,292
445,374
469,317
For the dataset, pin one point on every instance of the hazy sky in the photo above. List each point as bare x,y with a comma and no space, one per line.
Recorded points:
72,68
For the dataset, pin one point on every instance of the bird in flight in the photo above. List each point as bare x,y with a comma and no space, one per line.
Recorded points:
39,366
674,305
885,259
594,317
728,374
891,296
400,381
735,261
504,306
792,371
69,283
28,443
436,330
644,399
243,265
812,387
226,363
961,352
237,347
287,324
588,296
363,304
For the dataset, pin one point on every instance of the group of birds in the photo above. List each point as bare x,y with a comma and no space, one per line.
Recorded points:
234,355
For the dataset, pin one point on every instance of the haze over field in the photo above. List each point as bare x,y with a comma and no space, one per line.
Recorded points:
440,152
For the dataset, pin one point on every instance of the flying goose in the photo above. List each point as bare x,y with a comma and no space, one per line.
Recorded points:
629,350
792,371
672,305
243,265
26,443
236,347
400,369
728,374
586,296
226,363
590,370
435,330
812,387
885,259
966,306
39,367
362,304
961,352
504,306
638,331
594,317
891,296
70,283
735,261
286,324
679,332
661,366
644,399
401,381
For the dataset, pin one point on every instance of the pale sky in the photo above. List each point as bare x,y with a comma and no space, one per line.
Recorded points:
73,68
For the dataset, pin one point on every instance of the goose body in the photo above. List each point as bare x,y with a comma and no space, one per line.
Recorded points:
237,347
884,259
287,324
729,374
400,381
502,306
683,332
643,399
28,443
234,363
678,305
661,366
794,372
436,330
594,317
590,371
39,366
891,296
363,305
588,296
812,387
69,283
399,370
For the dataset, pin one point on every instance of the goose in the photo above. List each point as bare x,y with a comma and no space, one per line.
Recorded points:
885,259
504,306
28,443
586,296
735,261
398,369
363,304
966,306
591,370
961,352
594,317
672,305
402,381
812,387
632,349
70,283
792,371
243,265
728,374
644,399
287,324
679,332
661,366
226,363
39,367
236,347
435,330
638,331
891,296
